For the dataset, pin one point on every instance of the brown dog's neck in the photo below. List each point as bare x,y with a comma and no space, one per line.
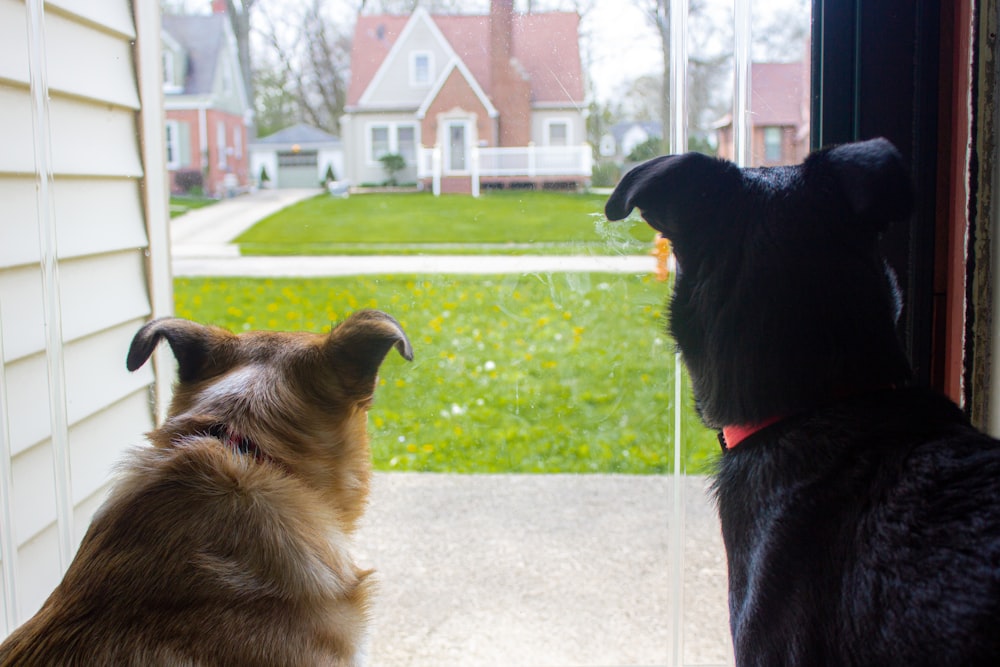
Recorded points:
239,443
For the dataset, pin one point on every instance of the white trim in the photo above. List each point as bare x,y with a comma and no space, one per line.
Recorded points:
414,80
456,63
154,191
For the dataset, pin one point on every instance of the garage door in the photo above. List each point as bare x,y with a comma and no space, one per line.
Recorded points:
298,170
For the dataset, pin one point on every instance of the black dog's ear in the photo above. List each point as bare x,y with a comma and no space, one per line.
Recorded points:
873,177
668,188
190,342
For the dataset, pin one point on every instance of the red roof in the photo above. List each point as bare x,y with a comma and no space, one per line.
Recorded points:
777,93
545,45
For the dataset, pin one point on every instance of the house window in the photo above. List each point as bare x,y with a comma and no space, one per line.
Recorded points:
220,143
421,64
557,133
406,142
238,142
173,144
772,144
393,138
378,142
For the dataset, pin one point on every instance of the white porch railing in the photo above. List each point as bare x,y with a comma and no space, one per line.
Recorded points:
509,162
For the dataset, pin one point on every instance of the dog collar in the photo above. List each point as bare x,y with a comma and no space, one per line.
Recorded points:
240,444
730,436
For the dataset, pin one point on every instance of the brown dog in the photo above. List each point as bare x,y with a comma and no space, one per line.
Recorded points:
226,542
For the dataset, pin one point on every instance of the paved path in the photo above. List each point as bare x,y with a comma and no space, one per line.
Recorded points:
507,570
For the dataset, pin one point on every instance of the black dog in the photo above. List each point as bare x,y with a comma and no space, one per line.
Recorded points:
861,517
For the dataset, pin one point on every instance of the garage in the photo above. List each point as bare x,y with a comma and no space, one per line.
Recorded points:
301,156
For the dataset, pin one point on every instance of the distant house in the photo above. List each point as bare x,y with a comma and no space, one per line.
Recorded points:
206,103
495,100
300,156
625,136
779,105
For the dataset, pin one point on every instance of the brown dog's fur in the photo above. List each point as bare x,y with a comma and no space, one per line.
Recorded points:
225,543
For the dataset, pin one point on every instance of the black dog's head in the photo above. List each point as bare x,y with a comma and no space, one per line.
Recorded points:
782,298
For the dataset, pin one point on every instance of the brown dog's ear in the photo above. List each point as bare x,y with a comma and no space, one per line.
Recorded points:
190,342
668,188
362,341
873,177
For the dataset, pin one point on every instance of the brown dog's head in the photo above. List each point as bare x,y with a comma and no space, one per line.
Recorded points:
297,399
782,298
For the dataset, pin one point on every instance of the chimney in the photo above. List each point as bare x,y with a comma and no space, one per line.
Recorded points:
218,6
511,94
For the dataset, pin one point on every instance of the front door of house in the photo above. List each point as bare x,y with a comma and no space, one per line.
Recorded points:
456,148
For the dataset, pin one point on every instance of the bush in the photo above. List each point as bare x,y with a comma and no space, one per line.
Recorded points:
647,150
605,175
330,175
189,181
392,163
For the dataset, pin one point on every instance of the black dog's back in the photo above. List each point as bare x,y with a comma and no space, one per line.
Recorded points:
861,517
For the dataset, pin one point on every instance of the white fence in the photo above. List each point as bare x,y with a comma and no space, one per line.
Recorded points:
529,162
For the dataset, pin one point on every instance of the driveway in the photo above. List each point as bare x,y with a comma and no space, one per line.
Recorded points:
508,570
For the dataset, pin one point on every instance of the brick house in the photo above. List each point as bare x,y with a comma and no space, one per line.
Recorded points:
779,104
206,102
496,100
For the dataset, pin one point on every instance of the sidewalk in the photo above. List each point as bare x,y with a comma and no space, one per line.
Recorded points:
506,570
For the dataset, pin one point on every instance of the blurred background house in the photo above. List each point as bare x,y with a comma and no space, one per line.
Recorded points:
207,106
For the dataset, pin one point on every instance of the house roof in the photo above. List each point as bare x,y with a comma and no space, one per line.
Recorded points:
298,134
545,45
652,128
202,38
776,96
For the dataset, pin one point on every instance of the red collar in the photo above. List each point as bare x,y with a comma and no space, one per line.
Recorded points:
730,436
240,444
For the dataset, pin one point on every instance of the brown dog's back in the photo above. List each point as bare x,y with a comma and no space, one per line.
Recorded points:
226,542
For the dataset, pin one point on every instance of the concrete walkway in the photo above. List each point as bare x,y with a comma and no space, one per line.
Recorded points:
507,570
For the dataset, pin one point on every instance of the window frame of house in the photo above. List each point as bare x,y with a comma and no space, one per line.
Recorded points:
392,129
238,142
420,77
773,136
221,144
566,123
172,136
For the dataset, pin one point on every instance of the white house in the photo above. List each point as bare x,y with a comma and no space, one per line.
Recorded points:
467,100
83,263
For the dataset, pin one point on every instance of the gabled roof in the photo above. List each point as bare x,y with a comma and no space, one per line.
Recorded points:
202,38
298,134
546,46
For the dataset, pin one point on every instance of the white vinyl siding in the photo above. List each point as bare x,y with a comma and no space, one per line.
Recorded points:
71,315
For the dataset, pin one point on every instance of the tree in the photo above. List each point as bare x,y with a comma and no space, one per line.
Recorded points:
239,19
305,68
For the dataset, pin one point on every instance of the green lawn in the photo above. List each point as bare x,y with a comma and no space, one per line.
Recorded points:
519,373
181,205
499,222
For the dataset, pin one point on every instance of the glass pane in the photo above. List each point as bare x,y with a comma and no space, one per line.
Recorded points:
456,147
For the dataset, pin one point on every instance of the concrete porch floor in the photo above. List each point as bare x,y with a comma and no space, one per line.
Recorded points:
539,570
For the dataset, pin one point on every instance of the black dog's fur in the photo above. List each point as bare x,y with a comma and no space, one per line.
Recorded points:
863,528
